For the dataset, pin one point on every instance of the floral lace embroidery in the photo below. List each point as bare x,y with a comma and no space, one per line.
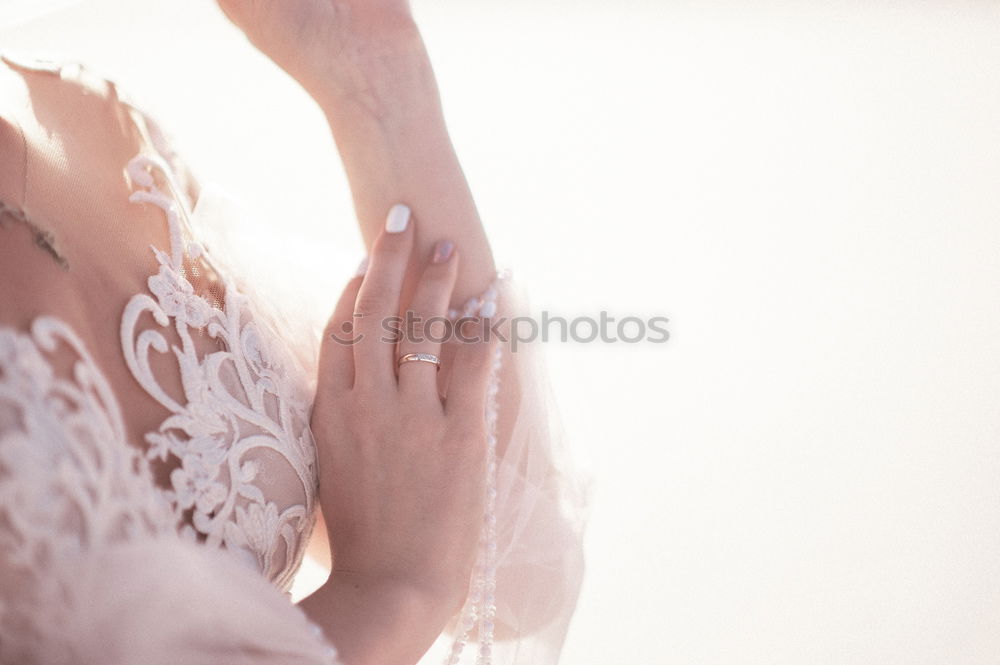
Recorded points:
69,480
71,487
53,410
241,409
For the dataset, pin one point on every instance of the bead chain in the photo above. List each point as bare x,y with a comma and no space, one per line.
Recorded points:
481,604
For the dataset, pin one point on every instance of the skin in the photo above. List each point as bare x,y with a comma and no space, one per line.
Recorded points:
402,490
365,64
401,484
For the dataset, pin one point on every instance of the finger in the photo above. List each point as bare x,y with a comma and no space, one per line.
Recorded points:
427,324
475,356
336,353
376,312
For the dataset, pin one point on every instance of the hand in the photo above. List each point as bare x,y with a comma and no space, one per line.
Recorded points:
338,50
402,470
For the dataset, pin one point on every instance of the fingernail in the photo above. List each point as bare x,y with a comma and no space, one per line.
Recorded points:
397,219
362,267
442,251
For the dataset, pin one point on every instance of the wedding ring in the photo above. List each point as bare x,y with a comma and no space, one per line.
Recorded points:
419,357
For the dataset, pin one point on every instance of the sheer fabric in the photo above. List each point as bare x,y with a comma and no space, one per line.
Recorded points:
157,472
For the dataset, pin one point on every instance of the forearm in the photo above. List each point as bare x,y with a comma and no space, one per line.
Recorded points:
391,135
377,622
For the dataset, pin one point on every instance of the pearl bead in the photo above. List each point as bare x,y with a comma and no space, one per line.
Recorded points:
483,599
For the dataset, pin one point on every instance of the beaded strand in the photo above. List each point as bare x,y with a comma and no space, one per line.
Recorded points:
481,604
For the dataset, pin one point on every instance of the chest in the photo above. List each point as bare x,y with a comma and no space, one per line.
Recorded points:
204,385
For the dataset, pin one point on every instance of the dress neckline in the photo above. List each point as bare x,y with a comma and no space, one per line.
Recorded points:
243,466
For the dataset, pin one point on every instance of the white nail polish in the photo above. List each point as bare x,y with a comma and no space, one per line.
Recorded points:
362,267
397,219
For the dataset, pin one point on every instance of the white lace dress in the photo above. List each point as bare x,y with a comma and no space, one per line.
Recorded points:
174,536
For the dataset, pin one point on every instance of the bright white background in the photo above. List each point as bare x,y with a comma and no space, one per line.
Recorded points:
809,471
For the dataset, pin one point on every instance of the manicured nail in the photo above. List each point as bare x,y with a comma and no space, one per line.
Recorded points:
398,218
442,251
362,267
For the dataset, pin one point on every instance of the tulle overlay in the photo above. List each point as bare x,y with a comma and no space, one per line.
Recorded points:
174,538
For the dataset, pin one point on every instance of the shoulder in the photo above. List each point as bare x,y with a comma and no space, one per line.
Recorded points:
20,263
61,144
67,136
92,116
61,130
13,96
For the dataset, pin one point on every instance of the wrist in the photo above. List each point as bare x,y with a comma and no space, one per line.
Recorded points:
434,594
378,622
379,72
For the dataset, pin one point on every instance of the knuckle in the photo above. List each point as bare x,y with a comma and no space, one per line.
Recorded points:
436,278
364,423
426,328
437,329
471,331
328,390
391,247
369,400
369,303
428,422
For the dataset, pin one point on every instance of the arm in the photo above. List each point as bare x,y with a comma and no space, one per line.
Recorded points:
402,151
365,64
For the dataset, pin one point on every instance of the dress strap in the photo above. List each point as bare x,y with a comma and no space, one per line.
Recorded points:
154,141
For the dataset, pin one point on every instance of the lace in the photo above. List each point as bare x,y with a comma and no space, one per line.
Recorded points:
69,480
72,484
236,440
74,495
235,443
241,409
103,487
